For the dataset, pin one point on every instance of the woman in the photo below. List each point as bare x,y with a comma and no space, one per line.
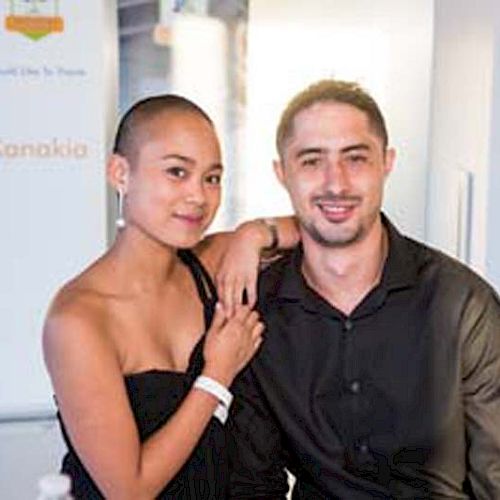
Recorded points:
141,390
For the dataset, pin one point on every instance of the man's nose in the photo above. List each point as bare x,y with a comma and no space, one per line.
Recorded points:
336,177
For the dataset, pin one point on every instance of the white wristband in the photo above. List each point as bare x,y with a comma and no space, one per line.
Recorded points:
213,387
221,413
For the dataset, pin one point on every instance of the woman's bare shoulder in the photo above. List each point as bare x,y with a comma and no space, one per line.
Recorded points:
78,313
79,298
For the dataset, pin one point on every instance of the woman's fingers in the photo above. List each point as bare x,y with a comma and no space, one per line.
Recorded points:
222,291
237,286
251,290
257,337
251,320
237,273
219,317
258,330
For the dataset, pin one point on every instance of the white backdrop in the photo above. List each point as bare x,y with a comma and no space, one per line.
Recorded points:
57,100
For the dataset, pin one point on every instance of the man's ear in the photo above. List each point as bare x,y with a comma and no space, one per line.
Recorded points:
390,158
118,172
279,171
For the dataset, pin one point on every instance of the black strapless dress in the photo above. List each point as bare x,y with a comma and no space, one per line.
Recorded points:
154,396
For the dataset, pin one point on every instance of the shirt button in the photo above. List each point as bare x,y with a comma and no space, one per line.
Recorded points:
355,386
348,325
363,448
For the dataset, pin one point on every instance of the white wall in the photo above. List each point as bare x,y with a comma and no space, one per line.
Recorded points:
465,120
385,45
28,450
200,52
492,264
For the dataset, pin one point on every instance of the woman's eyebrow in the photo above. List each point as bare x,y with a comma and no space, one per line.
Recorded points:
176,156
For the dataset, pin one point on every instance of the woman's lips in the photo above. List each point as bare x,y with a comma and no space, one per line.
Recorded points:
190,219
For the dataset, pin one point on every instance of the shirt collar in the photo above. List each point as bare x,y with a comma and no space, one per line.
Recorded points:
400,268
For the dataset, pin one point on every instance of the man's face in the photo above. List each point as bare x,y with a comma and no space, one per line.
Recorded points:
334,167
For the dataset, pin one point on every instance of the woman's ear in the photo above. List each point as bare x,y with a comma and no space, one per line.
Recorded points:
118,172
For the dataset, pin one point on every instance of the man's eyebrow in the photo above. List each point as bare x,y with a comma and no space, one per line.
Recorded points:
356,147
308,151
347,149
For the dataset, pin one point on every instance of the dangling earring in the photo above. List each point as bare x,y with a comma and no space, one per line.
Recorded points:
120,220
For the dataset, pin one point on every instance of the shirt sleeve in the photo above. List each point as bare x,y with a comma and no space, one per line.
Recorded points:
481,390
257,462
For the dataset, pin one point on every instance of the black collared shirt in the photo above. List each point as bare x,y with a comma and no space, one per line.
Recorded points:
399,400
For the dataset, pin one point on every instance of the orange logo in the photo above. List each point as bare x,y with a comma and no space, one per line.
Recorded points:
34,18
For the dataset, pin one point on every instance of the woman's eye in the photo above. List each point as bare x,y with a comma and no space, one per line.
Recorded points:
178,172
214,179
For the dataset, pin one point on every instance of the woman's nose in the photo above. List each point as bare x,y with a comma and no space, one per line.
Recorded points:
196,192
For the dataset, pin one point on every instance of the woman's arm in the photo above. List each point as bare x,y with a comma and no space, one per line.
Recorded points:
92,398
234,257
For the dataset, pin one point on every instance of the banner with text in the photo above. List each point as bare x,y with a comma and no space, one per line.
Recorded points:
58,73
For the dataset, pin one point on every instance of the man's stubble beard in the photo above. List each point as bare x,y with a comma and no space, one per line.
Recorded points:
333,242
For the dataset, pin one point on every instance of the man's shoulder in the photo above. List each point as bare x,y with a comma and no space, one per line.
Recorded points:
275,275
443,269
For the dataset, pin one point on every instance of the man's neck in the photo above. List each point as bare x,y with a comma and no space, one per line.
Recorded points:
343,276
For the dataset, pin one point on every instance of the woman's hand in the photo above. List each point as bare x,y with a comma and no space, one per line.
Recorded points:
231,343
239,267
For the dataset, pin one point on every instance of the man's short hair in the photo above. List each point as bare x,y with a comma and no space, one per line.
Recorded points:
337,91
141,113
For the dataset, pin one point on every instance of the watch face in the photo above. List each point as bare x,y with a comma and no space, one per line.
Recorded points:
33,7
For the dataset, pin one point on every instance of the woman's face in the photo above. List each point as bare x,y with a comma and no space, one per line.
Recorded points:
174,183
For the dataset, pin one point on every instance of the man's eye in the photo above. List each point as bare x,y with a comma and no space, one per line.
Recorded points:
311,162
214,179
178,172
357,159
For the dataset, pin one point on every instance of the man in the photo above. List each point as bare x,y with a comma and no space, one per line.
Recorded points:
380,373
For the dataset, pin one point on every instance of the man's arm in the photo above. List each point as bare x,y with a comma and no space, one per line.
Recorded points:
481,390
256,450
